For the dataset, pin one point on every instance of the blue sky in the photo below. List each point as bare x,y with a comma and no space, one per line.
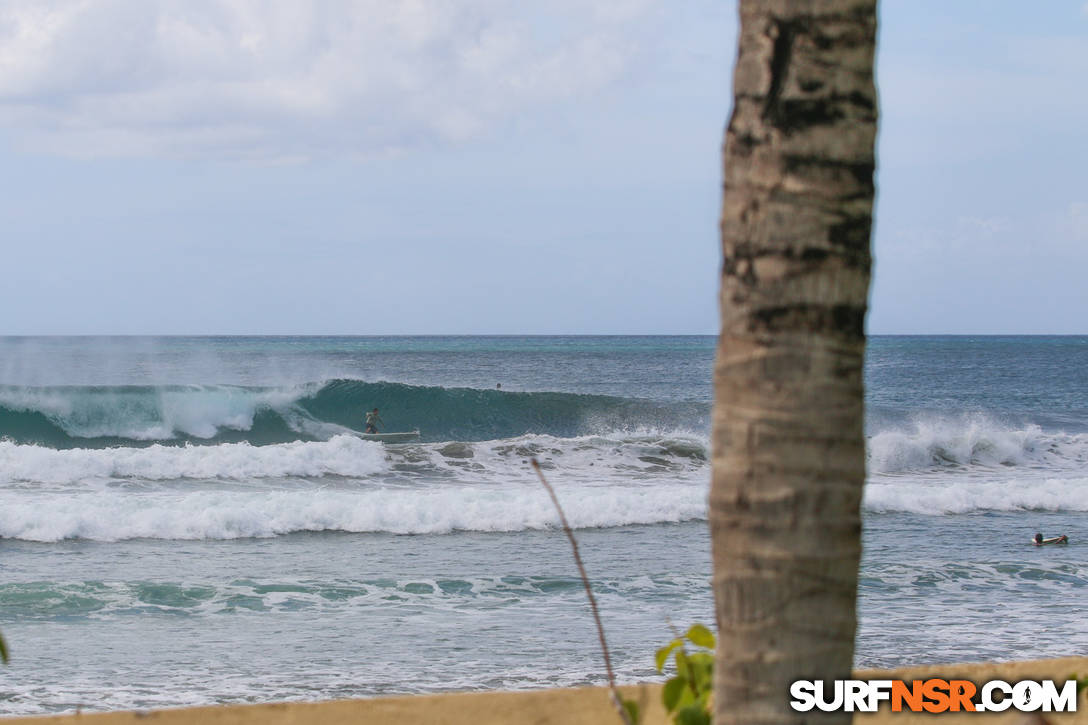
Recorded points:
427,167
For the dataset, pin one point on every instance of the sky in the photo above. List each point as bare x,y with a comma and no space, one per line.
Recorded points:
490,167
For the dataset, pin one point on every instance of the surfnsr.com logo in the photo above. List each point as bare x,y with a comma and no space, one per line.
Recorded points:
933,695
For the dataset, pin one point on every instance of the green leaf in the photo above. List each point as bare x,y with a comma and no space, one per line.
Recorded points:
3,650
672,692
686,697
683,667
702,671
701,659
695,714
631,707
663,654
701,636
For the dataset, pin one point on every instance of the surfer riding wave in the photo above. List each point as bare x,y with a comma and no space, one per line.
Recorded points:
372,420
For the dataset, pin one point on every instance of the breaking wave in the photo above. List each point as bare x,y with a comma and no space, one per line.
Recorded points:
967,496
972,442
217,513
103,416
598,457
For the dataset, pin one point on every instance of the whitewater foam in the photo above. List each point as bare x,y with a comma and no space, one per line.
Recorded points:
341,456
112,515
585,458
966,496
970,441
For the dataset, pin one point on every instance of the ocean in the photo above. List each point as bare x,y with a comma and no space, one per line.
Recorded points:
190,520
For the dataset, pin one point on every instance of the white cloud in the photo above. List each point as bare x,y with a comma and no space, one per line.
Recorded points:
270,79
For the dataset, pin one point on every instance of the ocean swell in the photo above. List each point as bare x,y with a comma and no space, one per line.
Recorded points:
104,416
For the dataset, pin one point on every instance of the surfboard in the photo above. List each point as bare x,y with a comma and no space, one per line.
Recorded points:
405,437
1063,539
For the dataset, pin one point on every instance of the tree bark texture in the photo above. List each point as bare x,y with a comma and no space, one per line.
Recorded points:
788,443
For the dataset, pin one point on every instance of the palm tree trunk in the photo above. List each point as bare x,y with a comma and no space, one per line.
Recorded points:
788,444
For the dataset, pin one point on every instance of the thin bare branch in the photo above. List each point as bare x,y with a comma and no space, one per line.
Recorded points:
617,700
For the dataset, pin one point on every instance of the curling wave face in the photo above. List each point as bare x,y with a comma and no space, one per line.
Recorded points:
102,416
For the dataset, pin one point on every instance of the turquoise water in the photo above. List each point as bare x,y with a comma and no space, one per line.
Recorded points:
190,520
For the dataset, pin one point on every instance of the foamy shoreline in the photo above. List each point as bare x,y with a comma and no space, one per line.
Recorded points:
579,706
